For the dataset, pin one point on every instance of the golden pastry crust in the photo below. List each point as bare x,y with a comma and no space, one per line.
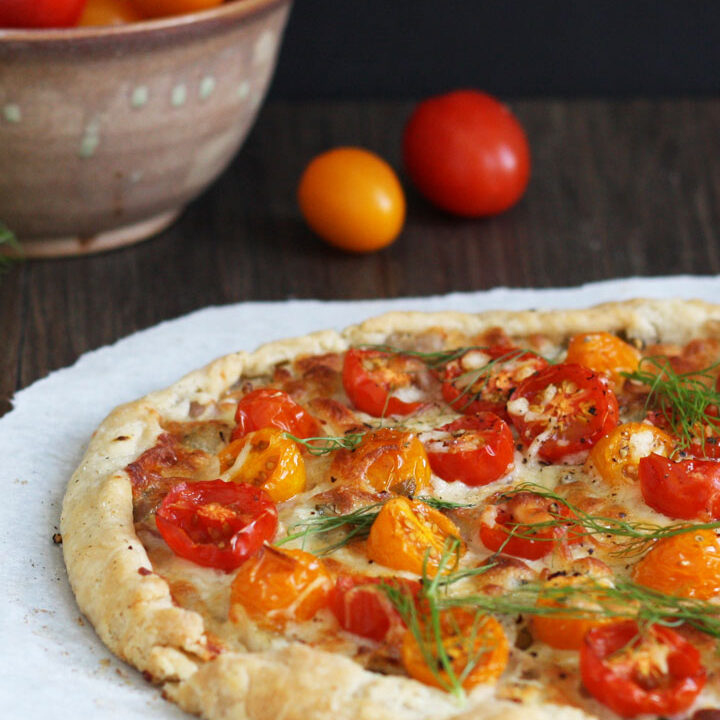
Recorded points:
133,610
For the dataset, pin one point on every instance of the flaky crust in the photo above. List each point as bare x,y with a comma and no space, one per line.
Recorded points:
133,611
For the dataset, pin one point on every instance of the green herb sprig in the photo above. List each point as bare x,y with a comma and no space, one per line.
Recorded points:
688,401
622,600
640,535
422,616
355,525
432,359
324,444
8,238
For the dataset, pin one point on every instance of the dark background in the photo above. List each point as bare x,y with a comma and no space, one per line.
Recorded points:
337,49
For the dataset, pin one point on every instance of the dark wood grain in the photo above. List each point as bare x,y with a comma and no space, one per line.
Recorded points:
618,189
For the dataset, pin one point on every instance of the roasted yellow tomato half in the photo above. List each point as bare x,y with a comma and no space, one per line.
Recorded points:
567,631
604,353
410,535
386,460
466,638
280,586
687,565
616,456
267,459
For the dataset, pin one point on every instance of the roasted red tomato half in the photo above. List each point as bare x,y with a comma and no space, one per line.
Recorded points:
474,449
363,608
40,13
568,407
269,407
633,671
706,442
526,525
381,383
215,523
687,489
484,379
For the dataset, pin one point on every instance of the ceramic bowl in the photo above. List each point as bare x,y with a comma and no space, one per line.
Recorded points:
106,133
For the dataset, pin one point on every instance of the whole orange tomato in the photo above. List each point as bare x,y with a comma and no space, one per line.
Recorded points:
352,199
467,153
109,12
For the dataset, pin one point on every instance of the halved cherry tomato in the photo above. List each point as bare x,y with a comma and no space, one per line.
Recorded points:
280,586
382,384
40,13
215,523
604,353
567,407
507,525
616,456
467,153
109,12
465,636
352,199
484,379
685,565
385,460
267,459
705,438
268,407
161,8
474,449
636,671
408,534
567,632
363,608
686,489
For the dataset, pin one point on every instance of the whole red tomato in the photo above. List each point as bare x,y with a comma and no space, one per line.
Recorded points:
40,13
467,153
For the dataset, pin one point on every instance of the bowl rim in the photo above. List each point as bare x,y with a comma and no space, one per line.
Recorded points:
235,10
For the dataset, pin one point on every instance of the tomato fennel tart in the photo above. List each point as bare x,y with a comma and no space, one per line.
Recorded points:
442,515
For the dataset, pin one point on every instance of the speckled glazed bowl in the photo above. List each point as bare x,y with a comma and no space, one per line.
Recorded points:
106,133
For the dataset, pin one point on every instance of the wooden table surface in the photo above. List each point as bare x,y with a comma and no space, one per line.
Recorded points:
618,189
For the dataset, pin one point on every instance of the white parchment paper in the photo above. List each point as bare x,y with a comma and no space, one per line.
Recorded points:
52,664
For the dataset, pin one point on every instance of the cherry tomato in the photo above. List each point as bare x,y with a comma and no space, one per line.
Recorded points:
382,384
408,533
604,353
566,632
40,13
483,380
636,671
385,460
268,407
705,442
465,636
467,153
109,12
507,525
474,449
616,456
215,523
280,586
363,608
161,8
352,199
686,489
267,459
568,407
686,565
